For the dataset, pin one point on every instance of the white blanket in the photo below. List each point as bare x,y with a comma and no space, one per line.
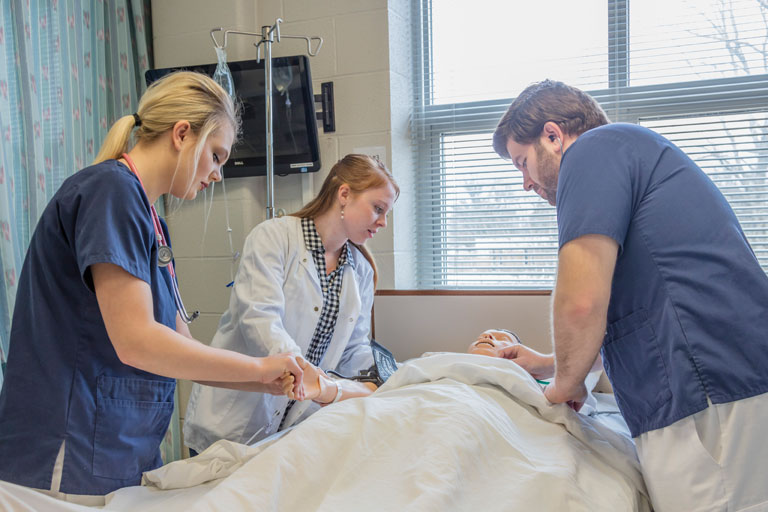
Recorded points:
447,432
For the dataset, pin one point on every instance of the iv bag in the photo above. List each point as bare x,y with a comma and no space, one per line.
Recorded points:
222,76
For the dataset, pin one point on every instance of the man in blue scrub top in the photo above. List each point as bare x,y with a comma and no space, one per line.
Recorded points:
655,273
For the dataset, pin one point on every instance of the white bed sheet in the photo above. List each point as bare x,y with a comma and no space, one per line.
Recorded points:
446,432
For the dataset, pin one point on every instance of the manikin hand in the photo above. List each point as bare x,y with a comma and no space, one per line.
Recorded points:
540,366
317,385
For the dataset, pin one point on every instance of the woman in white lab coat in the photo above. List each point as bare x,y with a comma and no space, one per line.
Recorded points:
305,285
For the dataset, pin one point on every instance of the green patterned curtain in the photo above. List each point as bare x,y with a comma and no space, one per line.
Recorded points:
68,69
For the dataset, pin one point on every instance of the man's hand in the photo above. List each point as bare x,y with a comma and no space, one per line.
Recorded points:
540,366
574,396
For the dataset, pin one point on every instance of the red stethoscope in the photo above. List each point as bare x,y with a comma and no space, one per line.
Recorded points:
164,252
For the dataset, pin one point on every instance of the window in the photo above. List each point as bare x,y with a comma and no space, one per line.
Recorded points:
694,71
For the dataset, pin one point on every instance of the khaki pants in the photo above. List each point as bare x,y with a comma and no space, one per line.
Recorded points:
716,459
80,499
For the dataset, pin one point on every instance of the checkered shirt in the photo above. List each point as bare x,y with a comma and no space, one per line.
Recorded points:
331,285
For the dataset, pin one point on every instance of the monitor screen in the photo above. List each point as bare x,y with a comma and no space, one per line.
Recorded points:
294,127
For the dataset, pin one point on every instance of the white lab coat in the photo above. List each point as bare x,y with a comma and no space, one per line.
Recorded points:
274,307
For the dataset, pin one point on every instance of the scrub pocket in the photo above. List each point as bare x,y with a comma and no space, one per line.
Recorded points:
634,363
132,416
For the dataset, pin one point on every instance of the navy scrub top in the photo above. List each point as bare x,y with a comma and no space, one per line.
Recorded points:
688,314
64,381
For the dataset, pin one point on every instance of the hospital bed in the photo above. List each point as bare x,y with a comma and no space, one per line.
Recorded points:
445,432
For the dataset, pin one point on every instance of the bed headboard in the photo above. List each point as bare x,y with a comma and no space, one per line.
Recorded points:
411,323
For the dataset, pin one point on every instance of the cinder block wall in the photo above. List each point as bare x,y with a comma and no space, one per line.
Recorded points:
366,54
356,57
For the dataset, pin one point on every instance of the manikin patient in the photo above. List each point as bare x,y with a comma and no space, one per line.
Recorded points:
493,342
501,343
505,344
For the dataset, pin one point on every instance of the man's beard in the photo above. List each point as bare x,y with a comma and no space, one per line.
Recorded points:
549,168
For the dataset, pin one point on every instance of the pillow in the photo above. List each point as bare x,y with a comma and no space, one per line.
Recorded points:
592,379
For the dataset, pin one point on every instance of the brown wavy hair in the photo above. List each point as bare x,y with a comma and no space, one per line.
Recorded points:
360,173
573,110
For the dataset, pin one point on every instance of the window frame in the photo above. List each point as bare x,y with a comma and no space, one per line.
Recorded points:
432,122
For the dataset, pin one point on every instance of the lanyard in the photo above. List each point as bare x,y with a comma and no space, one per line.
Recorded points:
153,213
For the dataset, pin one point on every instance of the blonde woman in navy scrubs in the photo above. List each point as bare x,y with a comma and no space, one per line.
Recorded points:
98,337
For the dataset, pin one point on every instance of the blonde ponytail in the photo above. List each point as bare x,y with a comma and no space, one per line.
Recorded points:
117,141
183,95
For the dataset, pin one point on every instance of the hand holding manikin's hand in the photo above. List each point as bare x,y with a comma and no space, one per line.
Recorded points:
282,373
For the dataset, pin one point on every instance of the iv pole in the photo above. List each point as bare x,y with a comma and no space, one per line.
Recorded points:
267,36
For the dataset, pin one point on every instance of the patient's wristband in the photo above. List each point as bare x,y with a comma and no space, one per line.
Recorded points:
338,392
336,398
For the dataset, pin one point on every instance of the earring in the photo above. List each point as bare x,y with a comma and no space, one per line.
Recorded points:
342,213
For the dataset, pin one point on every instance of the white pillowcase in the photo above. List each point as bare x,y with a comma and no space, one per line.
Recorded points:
592,379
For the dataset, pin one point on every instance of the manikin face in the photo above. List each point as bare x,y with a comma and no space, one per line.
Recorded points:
491,342
540,167
365,213
187,183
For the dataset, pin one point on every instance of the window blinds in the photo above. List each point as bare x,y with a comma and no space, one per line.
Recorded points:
694,71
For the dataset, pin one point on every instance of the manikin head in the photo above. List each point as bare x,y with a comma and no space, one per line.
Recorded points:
492,341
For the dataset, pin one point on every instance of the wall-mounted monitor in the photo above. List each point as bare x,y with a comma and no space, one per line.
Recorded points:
294,126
